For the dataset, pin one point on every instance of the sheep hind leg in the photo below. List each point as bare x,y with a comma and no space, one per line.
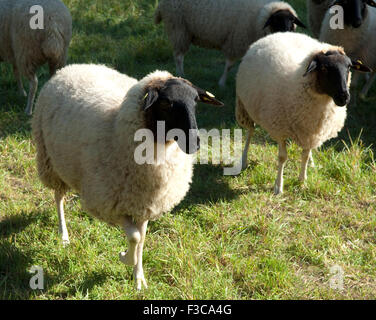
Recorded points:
311,161
228,65
21,90
33,86
133,234
59,198
138,271
282,158
306,155
246,148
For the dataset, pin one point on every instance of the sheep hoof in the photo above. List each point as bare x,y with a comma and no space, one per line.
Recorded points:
28,111
22,93
127,259
277,190
362,97
66,242
222,83
140,281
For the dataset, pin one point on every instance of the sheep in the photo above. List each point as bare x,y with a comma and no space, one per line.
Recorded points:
316,10
226,25
294,87
27,46
359,28
86,121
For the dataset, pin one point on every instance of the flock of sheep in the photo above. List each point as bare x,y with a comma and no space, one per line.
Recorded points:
86,116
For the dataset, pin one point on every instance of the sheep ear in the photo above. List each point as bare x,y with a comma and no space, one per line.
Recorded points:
371,3
267,23
312,66
150,98
299,23
207,97
335,3
359,66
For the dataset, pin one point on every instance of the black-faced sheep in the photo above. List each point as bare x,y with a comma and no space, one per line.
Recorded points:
84,127
294,87
359,28
226,25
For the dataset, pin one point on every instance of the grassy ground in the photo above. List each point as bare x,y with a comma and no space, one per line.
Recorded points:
231,238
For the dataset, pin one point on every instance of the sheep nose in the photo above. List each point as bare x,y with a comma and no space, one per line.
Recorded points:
342,99
357,23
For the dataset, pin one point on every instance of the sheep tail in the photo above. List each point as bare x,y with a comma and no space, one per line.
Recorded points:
49,178
54,46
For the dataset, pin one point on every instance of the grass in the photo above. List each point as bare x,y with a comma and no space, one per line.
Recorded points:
230,238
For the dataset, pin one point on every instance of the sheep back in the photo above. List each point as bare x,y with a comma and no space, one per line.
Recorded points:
271,88
85,121
226,25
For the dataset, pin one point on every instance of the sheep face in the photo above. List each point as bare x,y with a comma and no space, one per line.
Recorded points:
283,21
174,102
333,72
354,10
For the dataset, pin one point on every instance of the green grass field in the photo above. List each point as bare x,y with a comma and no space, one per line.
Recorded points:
230,238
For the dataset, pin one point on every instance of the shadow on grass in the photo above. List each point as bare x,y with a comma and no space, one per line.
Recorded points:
14,275
17,259
209,185
14,224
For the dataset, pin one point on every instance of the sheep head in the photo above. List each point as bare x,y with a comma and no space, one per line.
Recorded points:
174,102
332,70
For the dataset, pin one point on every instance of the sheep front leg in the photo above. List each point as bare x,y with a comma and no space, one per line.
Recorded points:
138,271
59,198
282,157
179,61
222,80
306,155
133,234
33,86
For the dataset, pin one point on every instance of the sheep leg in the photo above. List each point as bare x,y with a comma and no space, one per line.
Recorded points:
59,198
179,61
138,271
228,65
33,86
311,161
367,86
133,234
306,155
353,89
282,157
246,148
17,75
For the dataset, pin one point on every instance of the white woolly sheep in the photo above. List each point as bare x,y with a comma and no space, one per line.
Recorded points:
359,28
291,84
27,48
316,10
84,127
226,25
